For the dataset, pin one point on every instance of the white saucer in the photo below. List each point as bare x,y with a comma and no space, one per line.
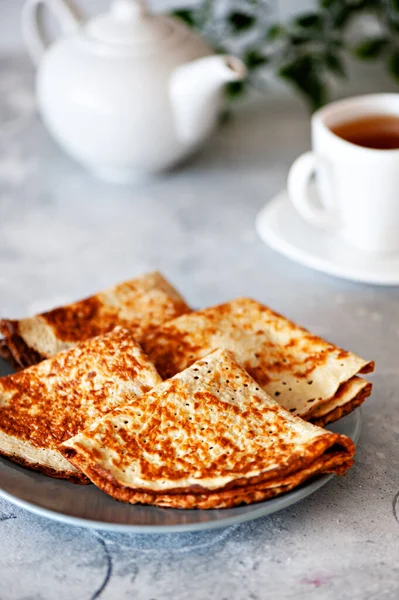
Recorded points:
281,228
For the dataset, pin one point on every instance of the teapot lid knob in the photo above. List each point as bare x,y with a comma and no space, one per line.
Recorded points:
128,25
128,10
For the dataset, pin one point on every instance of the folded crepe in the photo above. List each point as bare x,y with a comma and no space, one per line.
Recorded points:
307,375
45,404
140,305
210,437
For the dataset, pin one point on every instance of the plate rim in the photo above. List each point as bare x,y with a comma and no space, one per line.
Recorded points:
261,509
272,239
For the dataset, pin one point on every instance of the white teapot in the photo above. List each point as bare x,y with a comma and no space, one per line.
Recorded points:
126,93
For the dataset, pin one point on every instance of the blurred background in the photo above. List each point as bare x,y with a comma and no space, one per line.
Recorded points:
314,49
11,9
65,234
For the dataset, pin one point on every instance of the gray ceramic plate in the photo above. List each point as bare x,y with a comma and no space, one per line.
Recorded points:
87,506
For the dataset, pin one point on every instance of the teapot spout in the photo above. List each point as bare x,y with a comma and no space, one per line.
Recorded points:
195,90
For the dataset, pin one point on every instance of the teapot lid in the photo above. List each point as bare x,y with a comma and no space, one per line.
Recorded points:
127,23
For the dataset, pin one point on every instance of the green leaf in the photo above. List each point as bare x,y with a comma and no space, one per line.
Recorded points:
336,43
274,32
300,39
339,12
254,59
234,89
327,3
241,21
335,64
186,15
393,65
392,16
304,73
309,21
342,16
370,48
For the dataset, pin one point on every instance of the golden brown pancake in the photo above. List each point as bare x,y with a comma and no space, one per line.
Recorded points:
45,404
140,305
209,437
301,371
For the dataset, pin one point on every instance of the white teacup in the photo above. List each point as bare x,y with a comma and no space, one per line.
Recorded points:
358,187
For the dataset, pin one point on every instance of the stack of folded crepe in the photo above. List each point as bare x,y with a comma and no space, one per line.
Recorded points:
207,438
228,426
140,305
48,403
305,374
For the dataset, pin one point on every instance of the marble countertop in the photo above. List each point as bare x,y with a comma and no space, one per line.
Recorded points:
64,235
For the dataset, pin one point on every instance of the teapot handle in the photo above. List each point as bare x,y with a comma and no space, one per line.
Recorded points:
33,29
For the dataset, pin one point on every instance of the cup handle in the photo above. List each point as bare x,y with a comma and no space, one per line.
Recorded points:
33,29
298,187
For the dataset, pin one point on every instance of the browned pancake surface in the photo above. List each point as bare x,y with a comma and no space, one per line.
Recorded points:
209,429
47,403
140,305
298,369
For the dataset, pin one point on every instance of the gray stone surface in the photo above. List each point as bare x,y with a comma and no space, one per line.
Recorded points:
63,235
